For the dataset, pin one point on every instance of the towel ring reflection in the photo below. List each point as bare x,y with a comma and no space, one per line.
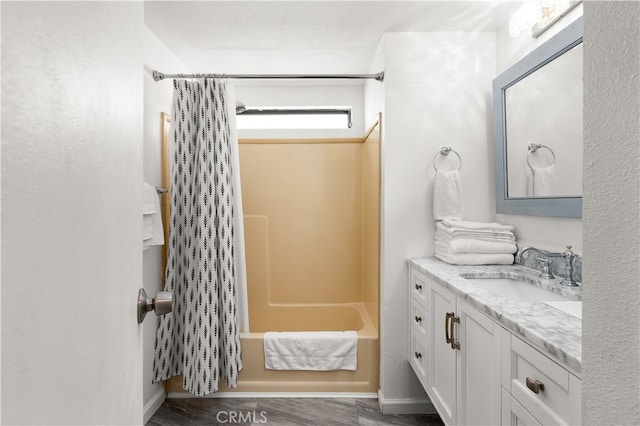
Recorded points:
533,147
445,150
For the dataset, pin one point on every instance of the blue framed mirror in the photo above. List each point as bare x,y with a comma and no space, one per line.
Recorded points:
537,107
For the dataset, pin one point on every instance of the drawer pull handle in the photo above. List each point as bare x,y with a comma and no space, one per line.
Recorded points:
448,316
418,286
418,318
418,355
454,320
534,386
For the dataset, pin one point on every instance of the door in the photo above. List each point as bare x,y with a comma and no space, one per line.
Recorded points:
442,359
71,212
479,367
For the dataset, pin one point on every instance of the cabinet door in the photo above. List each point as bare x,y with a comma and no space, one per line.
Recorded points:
442,359
479,367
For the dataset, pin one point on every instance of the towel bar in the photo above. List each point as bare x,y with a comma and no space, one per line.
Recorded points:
533,147
445,150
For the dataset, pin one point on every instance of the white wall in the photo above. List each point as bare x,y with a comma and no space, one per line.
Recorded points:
611,293
544,232
374,90
157,99
437,92
71,212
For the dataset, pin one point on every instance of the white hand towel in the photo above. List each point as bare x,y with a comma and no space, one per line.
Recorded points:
148,208
474,259
446,233
312,350
149,196
540,183
490,236
153,232
476,226
447,195
468,245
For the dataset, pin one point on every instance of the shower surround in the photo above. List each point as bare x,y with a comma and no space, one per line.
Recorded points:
312,248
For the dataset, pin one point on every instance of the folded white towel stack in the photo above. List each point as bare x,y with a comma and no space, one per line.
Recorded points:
153,233
312,350
447,195
474,243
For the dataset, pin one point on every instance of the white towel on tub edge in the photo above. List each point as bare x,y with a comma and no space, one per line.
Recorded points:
311,350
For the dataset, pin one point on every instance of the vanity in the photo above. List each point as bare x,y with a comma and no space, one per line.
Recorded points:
495,344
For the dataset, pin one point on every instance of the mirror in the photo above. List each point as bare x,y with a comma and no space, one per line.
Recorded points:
538,129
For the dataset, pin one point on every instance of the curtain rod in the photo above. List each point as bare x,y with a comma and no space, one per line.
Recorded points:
157,76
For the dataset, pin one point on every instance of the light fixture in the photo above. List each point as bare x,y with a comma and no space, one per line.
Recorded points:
539,15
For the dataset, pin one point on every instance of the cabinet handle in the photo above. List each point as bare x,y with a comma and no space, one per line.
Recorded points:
534,386
447,328
418,355
454,320
418,286
418,318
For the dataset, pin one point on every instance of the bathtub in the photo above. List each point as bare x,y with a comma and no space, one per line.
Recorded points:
327,317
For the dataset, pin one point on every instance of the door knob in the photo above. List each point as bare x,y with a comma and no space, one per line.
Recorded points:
162,303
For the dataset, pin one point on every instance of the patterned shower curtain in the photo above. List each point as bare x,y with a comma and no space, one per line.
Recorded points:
200,338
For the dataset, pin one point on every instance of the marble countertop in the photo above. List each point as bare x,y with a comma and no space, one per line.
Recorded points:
552,331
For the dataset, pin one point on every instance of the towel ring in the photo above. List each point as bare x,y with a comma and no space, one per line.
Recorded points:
445,150
533,147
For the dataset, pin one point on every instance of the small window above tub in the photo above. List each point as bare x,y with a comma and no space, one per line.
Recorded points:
293,117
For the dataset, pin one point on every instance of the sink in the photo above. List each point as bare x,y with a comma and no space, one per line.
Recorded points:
511,288
571,307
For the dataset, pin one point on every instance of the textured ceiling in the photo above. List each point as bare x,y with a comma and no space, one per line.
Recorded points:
302,36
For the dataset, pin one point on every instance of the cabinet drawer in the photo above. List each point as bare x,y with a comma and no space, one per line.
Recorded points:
418,319
559,397
418,357
514,414
419,288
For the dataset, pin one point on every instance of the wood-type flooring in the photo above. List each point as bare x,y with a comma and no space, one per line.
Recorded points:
281,411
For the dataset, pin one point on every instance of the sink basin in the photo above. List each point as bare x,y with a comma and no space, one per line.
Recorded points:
511,288
571,307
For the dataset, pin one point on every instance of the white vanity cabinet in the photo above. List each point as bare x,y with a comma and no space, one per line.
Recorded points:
476,372
459,360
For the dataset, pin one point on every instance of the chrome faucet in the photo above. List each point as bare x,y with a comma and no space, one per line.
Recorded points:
568,267
546,273
568,255
520,252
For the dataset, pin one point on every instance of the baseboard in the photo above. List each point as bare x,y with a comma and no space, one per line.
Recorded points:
153,404
405,405
276,395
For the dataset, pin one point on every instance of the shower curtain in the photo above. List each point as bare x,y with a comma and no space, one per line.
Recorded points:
200,338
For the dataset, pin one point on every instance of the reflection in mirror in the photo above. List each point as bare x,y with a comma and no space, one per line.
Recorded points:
537,107
544,110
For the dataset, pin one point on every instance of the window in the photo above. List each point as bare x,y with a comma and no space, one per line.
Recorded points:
293,117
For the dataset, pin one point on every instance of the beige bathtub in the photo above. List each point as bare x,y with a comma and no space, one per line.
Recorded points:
255,378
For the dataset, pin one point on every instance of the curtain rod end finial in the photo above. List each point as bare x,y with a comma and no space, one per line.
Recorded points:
157,76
